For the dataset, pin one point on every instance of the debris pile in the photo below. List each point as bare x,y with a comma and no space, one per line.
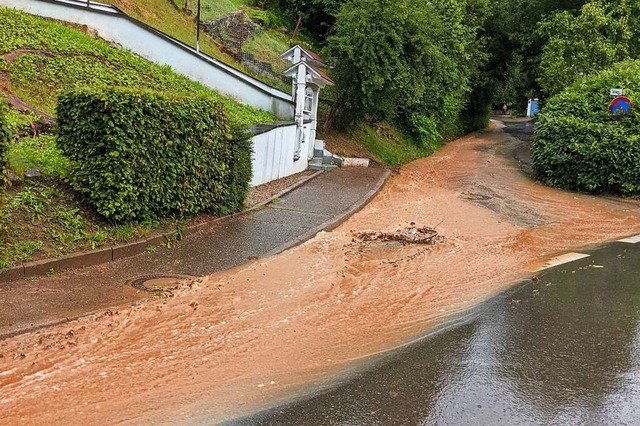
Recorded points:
408,235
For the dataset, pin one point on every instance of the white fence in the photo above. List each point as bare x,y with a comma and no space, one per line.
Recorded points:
273,154
114,25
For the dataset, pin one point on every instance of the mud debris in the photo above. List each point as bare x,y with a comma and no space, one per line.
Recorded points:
408,235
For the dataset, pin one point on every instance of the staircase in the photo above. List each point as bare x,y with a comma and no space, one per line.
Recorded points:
323,159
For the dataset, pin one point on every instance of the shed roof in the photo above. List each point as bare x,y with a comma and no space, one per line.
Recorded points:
315,73
310,55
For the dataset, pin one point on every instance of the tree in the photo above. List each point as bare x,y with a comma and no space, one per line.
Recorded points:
514,46
318,16
580,45
410,63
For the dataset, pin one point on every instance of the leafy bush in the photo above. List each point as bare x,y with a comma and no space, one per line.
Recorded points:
578,145
5,138
140,155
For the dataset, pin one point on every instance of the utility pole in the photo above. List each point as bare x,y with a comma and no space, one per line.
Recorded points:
197,29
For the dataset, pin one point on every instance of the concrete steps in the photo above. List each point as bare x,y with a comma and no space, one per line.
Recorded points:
324,160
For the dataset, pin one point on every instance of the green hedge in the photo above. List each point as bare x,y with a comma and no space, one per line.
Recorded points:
578,145
5,139
140,155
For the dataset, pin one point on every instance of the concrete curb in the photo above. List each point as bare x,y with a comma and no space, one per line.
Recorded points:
334,222
105,255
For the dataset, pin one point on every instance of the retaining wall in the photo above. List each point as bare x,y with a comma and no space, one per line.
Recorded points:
273,153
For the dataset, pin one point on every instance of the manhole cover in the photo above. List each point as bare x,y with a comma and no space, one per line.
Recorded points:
155,283
474,197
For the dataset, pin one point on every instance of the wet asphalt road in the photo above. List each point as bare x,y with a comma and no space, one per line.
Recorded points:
561,351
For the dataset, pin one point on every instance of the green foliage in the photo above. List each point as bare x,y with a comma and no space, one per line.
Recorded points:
40,152
5,139
581,45
425,129
578,145
317,16
514,46
39,219
389,146
20,122
409,63
139,154
63,58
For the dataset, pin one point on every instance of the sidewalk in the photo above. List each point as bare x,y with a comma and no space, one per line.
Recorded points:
297,216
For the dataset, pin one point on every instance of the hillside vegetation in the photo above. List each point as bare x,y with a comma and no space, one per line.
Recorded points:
43,217
172,18
277,19
41,57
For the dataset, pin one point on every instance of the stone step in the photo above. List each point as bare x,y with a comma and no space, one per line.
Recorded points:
317,163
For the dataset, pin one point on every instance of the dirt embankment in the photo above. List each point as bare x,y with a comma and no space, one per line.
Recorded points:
46,122
243,339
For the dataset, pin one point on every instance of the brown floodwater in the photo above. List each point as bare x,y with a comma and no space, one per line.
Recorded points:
255,336
562,350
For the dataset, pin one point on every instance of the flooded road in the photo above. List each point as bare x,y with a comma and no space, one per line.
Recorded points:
563,350
278,328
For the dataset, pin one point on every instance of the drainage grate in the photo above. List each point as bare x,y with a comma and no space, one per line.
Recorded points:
474,197
156,282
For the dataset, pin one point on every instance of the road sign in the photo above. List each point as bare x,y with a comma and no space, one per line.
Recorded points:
621,105
617,92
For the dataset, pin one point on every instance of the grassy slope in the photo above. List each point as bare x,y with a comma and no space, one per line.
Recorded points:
43,218
68,58
167,16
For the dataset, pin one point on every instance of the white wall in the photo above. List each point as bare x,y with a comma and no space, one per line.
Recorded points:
273,153
113,25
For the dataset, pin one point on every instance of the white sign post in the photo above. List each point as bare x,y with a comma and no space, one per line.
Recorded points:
617,92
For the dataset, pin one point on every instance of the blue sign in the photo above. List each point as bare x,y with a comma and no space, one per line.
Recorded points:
621,105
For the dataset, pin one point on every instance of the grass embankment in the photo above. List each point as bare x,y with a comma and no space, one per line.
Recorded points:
381,143
42,217
41,57
166,16
169,17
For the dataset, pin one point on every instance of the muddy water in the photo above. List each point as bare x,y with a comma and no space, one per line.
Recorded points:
563,350
255,336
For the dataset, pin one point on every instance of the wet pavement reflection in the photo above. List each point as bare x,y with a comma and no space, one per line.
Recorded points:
563,350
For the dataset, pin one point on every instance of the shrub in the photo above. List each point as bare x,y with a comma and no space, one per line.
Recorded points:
577,144
139,155
5,139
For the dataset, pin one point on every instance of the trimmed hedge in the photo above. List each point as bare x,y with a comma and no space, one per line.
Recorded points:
577,144
5,139
139,155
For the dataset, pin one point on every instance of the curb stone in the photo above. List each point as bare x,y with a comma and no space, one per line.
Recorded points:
105,255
